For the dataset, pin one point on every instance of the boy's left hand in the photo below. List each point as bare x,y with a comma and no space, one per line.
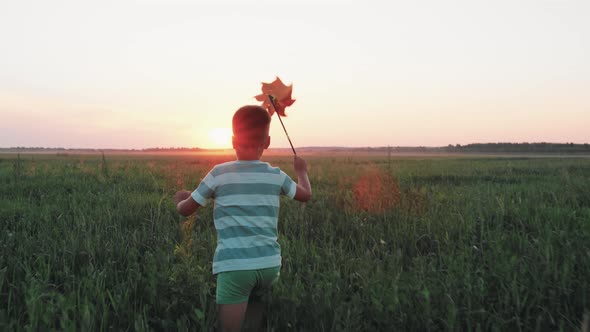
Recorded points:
181,196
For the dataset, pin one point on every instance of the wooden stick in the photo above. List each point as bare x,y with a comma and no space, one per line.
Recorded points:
272,101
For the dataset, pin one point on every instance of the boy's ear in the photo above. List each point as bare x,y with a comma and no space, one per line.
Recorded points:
267,143
233,141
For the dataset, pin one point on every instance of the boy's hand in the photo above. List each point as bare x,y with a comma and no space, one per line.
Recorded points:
303,193
299,164
181,196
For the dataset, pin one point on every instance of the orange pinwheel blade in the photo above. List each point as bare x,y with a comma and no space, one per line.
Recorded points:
281,94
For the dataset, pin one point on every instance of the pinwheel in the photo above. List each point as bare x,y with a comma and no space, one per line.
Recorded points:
275,97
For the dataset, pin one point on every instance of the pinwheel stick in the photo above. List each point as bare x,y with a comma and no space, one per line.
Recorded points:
272,101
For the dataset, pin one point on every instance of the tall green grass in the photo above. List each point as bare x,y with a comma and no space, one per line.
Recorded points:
92,243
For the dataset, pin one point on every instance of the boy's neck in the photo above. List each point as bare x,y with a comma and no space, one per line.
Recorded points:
249,154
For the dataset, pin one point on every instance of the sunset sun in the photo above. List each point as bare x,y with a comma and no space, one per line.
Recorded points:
220,138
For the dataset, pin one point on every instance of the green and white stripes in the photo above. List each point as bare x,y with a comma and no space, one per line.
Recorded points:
246,196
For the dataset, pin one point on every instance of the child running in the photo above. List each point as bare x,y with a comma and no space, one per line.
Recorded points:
246,194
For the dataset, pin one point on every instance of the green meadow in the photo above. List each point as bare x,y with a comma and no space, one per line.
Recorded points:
93,243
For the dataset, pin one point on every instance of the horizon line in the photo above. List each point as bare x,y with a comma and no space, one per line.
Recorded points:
289,148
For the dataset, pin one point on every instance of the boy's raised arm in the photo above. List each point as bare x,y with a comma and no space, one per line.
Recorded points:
185,204
303,193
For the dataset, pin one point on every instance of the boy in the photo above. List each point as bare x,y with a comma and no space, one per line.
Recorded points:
246,194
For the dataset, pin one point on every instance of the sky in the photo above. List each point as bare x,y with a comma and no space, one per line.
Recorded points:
139,74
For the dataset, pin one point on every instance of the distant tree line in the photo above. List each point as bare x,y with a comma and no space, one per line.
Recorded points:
457,148
521,147
489,148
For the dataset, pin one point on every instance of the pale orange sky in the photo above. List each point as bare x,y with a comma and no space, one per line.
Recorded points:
137,74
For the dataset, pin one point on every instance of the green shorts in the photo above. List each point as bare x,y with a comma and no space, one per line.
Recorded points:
239,286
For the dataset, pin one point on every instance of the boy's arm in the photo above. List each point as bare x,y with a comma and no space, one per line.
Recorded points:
185,204
303,193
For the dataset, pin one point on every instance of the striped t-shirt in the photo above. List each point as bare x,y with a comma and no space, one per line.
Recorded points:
246,195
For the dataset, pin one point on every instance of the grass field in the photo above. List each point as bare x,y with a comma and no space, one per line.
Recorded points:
406,244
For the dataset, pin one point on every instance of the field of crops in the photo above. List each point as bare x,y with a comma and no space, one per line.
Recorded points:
407,244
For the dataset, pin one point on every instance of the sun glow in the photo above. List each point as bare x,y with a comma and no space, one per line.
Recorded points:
220,138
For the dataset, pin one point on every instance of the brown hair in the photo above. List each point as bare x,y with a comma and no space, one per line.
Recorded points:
250,125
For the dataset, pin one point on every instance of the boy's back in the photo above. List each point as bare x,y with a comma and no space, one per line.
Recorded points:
246,195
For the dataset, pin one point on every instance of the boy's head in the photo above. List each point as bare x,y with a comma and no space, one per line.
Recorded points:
250,126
